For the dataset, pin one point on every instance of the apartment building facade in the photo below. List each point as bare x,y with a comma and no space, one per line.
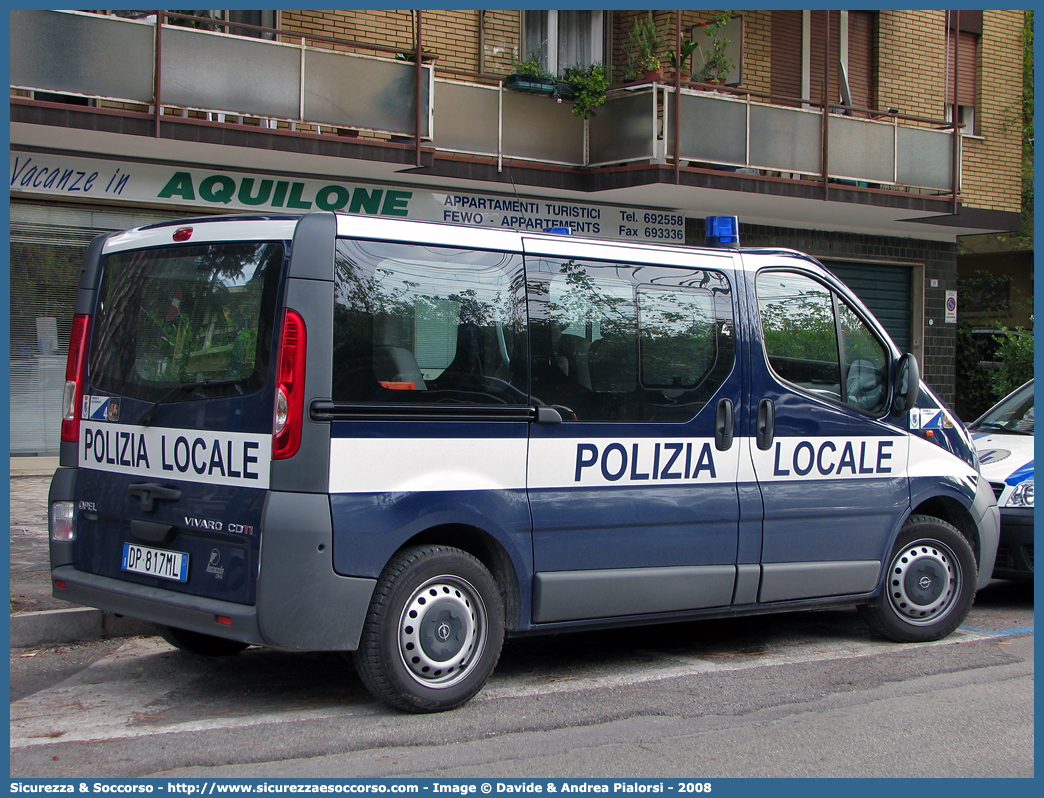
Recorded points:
832,132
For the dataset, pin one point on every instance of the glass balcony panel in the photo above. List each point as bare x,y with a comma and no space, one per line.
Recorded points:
785,139
860,149
470,121
365,93
925,158
713,128
228,73
541,129
82,54
624,129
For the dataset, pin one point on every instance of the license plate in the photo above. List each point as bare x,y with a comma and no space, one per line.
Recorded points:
155,562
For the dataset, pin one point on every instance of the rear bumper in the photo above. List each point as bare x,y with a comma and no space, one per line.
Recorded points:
158,606
302,604
1015,553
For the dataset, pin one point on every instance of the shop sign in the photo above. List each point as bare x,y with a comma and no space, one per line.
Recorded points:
227,190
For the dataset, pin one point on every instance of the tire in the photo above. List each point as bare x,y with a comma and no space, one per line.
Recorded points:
434,630
930,585
201,644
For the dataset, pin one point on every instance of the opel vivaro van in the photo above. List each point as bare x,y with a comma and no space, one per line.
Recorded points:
407,440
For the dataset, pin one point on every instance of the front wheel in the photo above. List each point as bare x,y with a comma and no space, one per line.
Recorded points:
433,632
930,584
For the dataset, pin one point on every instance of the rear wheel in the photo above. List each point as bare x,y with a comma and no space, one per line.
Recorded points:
930,585
199,643
433,632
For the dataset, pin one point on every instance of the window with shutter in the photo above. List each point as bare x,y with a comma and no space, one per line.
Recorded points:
798,44
817,38
861,63
785,72
964,49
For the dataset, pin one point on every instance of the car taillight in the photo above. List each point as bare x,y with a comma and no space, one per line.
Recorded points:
75,368
290,376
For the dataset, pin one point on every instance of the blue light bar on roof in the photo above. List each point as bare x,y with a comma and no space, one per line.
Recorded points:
562,231
722,231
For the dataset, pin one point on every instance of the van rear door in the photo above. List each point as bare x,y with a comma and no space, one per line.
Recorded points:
175,432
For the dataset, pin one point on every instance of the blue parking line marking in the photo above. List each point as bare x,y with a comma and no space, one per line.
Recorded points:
1022,630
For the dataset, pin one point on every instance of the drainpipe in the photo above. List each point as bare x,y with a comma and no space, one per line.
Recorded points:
156,71
677,98
956,163
826,108
419,72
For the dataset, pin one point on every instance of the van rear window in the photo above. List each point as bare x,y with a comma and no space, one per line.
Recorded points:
177,315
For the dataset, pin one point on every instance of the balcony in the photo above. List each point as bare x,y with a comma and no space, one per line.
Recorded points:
306,87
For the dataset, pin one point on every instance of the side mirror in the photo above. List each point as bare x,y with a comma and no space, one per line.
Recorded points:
907,384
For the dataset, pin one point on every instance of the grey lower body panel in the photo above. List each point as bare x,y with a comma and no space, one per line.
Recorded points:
579,595
786,581
302,603
988,520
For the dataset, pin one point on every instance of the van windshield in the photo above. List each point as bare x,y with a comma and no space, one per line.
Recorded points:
174,315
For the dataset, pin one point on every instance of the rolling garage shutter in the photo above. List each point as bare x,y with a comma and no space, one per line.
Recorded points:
886,290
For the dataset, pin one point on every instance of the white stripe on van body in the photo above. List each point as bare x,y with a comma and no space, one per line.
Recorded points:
240,459
389,465
402,465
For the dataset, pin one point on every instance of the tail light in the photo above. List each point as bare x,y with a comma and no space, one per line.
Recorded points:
289,399
75,368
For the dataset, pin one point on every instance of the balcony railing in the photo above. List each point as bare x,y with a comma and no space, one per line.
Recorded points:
109,58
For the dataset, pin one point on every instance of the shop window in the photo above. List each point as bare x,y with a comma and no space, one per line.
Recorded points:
563,38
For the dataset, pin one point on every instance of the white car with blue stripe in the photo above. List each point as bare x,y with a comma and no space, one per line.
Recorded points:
1004,439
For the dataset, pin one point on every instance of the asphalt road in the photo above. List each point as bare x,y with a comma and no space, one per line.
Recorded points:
811,694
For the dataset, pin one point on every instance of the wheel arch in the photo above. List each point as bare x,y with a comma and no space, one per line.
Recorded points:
953,512
487,550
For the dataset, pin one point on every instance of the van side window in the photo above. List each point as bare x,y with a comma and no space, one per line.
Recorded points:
801,321
608,346
425,324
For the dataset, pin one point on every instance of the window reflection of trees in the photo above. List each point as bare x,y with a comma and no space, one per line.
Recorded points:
797,317
452,310
186,314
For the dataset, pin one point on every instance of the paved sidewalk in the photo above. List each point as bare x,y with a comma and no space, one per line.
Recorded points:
37,618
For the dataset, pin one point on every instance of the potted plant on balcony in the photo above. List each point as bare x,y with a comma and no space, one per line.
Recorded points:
678,63
530,76
717,65
643,57
589,84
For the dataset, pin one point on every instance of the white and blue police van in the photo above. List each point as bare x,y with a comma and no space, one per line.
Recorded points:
407,440
1003,437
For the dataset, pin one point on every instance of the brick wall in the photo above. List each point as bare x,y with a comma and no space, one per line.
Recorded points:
992,165
912,75
939,260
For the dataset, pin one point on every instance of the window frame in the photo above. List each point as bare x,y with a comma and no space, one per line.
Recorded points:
837,298
549,55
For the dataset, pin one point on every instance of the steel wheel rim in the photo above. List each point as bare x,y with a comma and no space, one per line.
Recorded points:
924,582
442,630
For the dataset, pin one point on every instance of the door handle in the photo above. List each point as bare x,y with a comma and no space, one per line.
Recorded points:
766,423
724,425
